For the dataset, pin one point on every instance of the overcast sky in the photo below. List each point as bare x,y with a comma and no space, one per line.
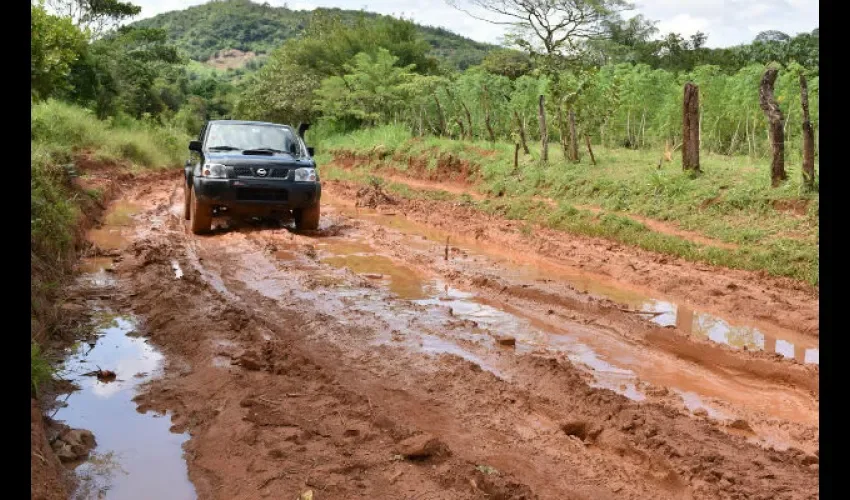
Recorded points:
727,22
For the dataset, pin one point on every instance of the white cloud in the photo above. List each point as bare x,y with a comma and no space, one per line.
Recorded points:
684,24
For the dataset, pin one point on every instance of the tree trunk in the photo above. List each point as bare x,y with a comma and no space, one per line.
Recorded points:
774,116
470,131
808,137
486,105
573,138
734,141
462,128
521,125
440,115
589,149
562,130
463,132
544,134
690,128
516,156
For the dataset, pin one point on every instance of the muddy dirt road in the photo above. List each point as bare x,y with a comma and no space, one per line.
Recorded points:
373,359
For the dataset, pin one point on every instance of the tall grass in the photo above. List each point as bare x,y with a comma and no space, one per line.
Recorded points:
59,133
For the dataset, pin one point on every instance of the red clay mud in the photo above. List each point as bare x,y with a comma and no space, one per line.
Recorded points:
305,362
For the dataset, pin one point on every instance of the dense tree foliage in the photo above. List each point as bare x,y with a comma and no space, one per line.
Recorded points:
283,89
95,17
55,45
203,30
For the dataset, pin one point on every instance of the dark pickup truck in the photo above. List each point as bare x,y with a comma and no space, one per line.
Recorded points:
251,168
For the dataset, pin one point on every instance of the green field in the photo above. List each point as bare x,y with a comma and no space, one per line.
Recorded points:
775,230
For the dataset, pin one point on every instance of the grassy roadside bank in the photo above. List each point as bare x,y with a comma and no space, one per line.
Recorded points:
65,141
760,228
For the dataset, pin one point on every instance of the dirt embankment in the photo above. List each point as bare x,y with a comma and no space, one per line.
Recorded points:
55,320
291,375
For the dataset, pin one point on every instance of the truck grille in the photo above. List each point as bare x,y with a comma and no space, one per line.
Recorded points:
278,173
255,194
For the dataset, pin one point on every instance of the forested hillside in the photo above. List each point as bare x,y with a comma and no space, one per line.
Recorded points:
204,30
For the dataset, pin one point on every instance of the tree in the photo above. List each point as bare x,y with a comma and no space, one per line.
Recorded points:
626,41
55,45
372,90
808,136
550,27
768,104
134,70
96,16
772,36
283,89
506,62
690,128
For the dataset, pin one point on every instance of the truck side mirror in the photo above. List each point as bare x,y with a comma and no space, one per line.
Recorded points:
195,146
311,151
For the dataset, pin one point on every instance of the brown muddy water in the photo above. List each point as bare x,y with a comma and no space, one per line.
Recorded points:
614,364
737,333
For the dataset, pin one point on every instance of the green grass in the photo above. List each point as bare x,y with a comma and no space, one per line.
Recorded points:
731,201
40,369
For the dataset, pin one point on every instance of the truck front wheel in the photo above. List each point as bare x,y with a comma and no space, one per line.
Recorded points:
187,201
201,215
307,218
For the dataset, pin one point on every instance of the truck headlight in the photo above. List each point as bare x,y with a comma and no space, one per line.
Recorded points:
214,170
305,175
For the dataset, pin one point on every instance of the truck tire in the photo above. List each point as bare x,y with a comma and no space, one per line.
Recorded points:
187,201
201,215
307,218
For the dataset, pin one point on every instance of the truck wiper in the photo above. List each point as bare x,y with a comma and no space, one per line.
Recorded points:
271,150
224,148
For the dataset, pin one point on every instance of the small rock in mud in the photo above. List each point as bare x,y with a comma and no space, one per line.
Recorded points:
372,196
741,425
701,412
420,446
505,340
73,444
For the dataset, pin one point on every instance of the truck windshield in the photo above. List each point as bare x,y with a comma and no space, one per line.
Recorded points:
240,136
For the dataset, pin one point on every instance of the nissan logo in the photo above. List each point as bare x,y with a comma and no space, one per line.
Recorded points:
262,172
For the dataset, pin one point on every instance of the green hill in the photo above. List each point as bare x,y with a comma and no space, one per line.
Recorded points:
223,25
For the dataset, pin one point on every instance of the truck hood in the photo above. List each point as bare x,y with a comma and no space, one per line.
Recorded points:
235,159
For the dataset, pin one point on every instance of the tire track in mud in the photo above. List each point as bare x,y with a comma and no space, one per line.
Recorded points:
286,381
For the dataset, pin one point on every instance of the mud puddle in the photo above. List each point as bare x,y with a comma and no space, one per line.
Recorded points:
136,456
111,235
736,333
612,364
